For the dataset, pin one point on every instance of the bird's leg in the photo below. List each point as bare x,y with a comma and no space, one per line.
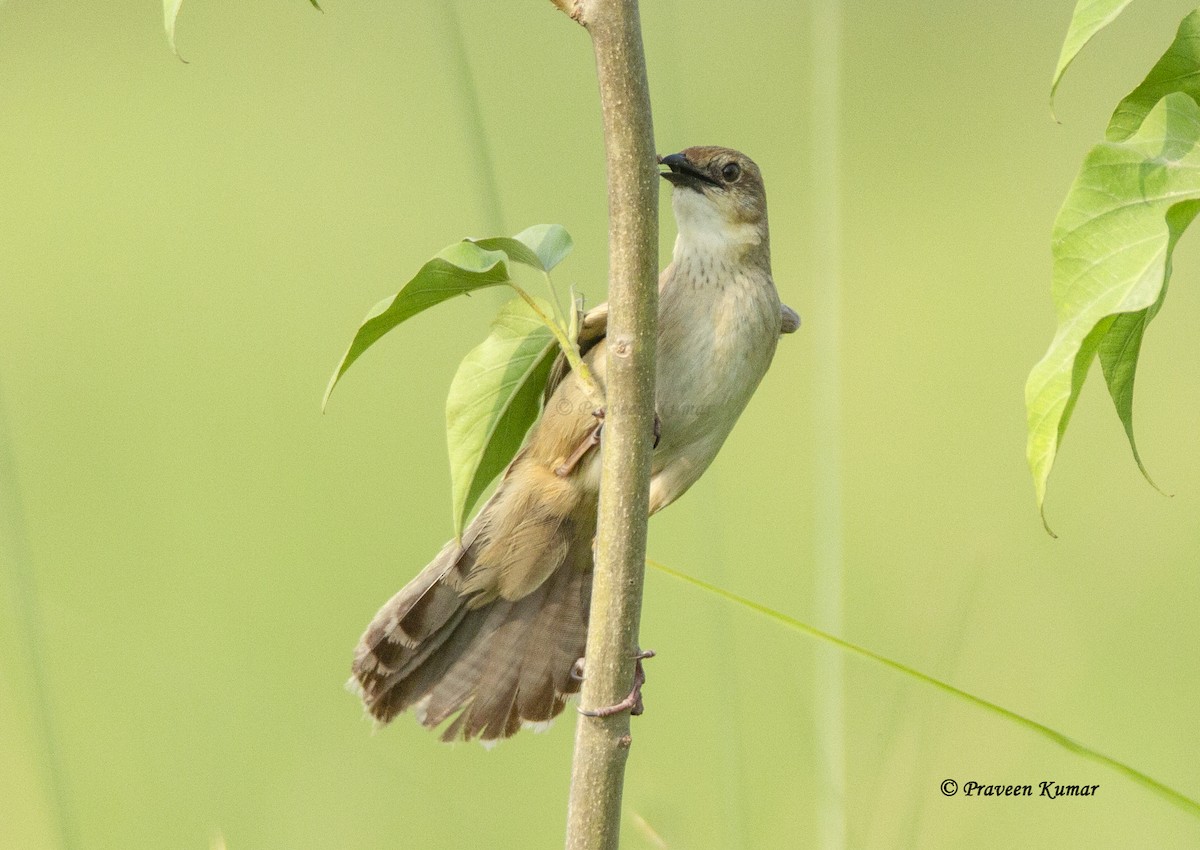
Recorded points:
589,442
631,703
593,439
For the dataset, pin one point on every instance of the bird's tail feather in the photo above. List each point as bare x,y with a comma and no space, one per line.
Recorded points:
501,664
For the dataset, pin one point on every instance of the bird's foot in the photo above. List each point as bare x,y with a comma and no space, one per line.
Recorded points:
589,442
593,439
633,702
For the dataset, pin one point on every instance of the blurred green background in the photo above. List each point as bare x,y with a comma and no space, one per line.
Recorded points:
186,250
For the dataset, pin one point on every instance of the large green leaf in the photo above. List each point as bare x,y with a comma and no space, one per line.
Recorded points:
495,395
1177,70
1112,247
461,268
1089,17
542,246
493,400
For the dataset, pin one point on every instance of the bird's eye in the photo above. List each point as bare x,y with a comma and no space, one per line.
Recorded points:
731,172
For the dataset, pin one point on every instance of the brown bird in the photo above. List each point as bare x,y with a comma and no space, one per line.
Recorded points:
492,628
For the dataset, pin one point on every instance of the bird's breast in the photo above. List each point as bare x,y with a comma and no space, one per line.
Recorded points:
718,328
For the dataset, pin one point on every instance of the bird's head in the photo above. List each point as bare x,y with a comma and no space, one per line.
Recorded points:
718,197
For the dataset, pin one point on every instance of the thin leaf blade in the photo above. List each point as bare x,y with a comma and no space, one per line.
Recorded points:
493,399
1089,17
1159,789
1112,245
458,269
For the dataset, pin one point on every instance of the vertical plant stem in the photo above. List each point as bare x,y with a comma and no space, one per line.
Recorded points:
477,138
568,346
727,646
602,743
559,316
14,551
823,183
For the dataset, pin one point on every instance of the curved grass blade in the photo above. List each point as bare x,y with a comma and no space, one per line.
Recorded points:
1089,17
494,398
457,270
1164,792
1112,247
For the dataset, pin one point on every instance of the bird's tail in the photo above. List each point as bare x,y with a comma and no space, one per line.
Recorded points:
442,646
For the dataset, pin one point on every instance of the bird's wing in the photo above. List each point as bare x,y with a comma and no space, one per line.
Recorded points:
789,320
593,327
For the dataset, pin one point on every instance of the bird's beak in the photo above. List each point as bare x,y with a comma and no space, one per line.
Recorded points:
683,174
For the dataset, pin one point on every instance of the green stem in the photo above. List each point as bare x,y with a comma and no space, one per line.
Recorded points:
828,568
558,314
476,134
29,622
571,351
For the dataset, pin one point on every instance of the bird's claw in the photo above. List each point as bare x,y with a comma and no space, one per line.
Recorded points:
593,439
633,702
589,442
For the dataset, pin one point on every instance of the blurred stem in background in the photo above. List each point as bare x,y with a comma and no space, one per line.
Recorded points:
825,274
477,139
14,554
725,636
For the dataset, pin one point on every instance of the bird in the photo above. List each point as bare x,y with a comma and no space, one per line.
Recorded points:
490,632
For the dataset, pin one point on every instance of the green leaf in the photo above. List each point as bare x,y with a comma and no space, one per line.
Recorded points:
457,270
170,13
1121,345
493,400
1165,792
542,246
1112,248
1089,17
1177,70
